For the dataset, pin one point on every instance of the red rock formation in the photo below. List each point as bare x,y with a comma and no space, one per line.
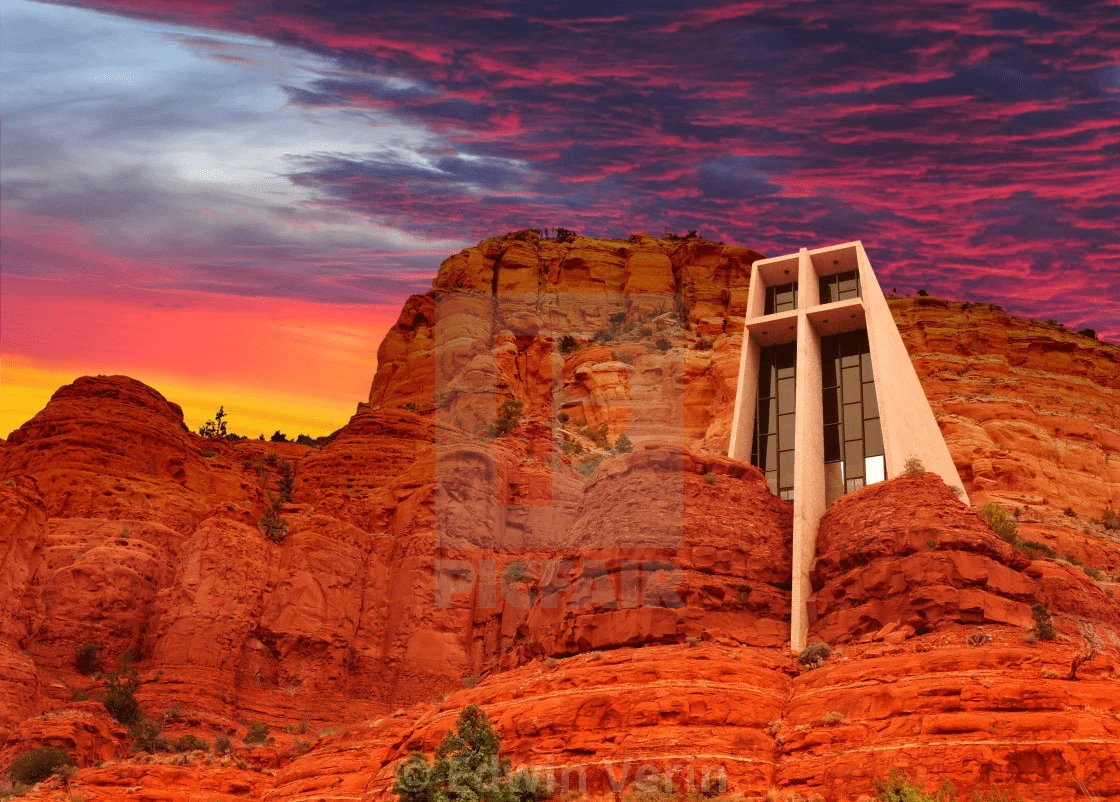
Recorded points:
612,606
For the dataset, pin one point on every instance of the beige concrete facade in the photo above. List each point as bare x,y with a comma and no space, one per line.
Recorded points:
908,426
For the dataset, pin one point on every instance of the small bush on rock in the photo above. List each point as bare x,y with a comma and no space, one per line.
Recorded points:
898,788
216,426
1001,523
509,418
978,638
147,736
120,692
37,765
913,467
190,743
86,660
256,733
287,481
467,767
272,524
814,655
1043,622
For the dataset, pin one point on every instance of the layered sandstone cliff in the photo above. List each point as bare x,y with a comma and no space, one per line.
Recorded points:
609,608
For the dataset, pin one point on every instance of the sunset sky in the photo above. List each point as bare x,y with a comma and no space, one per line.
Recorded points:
230,200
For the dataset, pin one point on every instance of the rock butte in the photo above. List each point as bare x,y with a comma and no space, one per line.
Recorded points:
352,642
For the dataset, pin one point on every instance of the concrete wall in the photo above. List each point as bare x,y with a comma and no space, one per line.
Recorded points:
909,427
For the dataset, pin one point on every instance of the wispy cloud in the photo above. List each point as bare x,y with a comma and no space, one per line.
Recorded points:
331,151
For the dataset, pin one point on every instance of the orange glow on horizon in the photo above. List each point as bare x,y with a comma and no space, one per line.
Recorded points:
274,364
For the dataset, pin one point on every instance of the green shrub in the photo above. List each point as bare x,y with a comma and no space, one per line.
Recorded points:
272,524
467,766
287,481
1036,550
222,744
86,660
471,681
710,478
37,765
1110,519
898,788
568,343
571,447
598,435
913,467
509,418
120,692
563,417
1069,512
216,427
515,572
190,743
147,736
1005,527
587,467
256,733
814,654
704,344
662,344
1043,622
623,445
832,718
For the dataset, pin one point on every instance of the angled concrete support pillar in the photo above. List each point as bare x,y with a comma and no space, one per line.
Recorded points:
909,427
808,476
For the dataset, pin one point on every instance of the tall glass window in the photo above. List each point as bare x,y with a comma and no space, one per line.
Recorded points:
840,287
774,417
853,438
781,298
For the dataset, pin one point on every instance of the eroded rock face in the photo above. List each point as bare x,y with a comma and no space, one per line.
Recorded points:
612,605
907,553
